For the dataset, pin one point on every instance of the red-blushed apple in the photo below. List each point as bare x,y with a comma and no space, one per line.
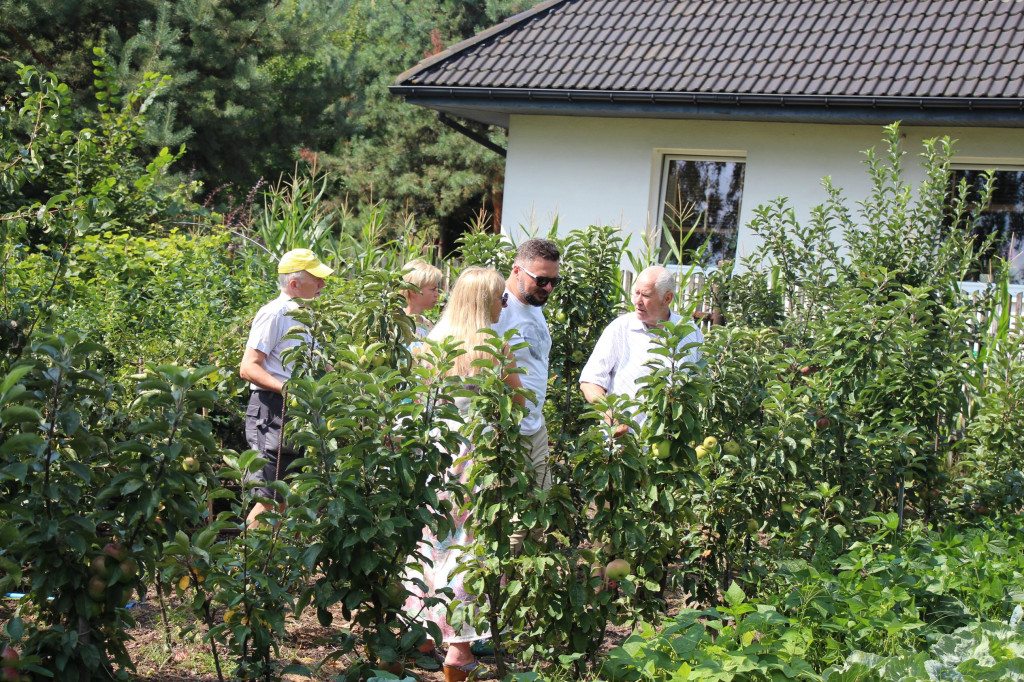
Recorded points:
394,667
115,551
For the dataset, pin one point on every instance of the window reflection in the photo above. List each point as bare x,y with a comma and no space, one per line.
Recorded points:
1004,218
702,194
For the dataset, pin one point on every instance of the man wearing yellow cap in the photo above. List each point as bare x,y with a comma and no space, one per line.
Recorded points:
301,276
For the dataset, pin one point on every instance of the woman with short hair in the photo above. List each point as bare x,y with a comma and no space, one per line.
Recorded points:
427,280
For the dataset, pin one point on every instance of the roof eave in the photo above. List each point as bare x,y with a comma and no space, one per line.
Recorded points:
494,106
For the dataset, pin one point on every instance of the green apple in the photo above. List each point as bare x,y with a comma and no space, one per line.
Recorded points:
710,442
99,567
97,589
662,449
396,594
752,526
129,570
617,570
701,451
190,465
731,448
560,317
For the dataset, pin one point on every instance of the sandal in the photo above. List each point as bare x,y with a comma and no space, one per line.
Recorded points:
469,671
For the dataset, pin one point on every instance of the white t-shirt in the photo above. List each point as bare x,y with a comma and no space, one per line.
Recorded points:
531,327
271,323
618,360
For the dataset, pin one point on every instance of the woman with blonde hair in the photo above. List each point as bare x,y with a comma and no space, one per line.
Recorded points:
474,306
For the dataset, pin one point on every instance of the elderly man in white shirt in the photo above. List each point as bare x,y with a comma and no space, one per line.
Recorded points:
300,277
620,356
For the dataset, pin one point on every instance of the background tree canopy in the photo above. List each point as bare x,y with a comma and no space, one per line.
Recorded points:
255,85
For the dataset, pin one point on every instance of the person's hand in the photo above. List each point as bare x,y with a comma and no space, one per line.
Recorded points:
620,431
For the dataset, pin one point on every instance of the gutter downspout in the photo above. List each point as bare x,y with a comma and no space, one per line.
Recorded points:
471,134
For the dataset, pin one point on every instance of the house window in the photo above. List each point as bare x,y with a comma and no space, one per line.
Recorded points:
1003,219
701,194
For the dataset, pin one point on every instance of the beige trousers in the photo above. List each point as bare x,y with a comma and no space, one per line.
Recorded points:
537,456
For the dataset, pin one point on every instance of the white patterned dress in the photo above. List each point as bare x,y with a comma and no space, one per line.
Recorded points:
441,559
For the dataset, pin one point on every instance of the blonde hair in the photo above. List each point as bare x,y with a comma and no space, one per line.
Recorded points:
422,274
468,311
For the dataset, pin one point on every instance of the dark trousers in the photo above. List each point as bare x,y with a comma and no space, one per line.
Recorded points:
263,424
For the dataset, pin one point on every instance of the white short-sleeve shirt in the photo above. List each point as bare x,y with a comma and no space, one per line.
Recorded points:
618,360
271,323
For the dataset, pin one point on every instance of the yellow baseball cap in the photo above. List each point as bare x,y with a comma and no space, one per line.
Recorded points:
303,259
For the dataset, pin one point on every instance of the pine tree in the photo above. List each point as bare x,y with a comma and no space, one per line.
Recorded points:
401,153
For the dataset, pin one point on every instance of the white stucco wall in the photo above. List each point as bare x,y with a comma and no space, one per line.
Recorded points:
607,171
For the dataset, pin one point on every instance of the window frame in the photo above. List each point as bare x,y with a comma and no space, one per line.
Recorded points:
659,179
982,164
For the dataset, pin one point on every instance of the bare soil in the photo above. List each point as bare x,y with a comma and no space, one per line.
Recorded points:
166,655
308,643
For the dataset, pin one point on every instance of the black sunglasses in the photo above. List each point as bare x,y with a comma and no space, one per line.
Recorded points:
542,282
504,300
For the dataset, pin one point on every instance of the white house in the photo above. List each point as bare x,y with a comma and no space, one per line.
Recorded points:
635,112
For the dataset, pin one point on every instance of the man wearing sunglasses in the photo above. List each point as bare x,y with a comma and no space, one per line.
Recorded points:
534,276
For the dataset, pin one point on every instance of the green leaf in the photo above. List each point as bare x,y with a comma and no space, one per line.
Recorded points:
734,595
17,414
15,628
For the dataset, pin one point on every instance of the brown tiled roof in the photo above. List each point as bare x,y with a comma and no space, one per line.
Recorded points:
939,53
